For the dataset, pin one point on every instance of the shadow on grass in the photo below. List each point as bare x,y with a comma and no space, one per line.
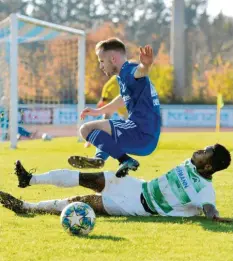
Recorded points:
94,237
26,215
102,237
202,221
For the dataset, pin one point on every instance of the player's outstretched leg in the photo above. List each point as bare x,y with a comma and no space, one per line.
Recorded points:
54,206
24,176
85,162
12,203
22,207
57,177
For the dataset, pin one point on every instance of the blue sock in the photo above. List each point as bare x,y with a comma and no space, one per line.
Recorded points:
103,141
101,154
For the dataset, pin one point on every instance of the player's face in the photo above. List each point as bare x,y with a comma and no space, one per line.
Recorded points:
201,158
106,61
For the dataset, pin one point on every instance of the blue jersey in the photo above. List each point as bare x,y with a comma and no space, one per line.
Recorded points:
140,98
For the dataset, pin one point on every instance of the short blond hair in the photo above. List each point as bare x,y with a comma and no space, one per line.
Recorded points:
111,44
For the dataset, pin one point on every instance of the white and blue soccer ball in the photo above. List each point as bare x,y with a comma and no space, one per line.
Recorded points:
46,137
78,218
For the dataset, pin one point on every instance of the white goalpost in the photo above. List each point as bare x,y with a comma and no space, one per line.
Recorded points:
42,75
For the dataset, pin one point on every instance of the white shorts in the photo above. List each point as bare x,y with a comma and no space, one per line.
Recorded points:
121,196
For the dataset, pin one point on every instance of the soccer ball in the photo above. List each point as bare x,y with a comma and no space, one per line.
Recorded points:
78,218
46,137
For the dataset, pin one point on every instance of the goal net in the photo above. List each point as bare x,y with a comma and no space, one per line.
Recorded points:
42,71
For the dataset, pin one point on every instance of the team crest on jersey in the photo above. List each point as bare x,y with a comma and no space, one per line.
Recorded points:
195,179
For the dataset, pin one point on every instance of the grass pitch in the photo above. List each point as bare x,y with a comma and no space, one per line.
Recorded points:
41,237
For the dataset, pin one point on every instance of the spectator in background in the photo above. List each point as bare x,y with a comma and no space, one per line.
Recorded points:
4,123
22,132
110,91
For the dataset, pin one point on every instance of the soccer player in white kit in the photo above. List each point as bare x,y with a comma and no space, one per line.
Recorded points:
184,191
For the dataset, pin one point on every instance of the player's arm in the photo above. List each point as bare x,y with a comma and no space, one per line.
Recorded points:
109,108
112,106
146,57
212,213
103,101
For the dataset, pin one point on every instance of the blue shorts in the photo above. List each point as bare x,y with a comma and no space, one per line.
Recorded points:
131,139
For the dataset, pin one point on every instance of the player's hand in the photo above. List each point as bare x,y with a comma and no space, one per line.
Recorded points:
87,145
222,220
89,112
101,104
146,55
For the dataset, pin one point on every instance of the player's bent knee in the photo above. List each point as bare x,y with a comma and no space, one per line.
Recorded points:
84,130
95,201
74,199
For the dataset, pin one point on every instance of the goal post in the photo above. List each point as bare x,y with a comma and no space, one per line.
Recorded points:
44,66
13,99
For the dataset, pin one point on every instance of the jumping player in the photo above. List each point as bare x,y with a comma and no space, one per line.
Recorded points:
137,135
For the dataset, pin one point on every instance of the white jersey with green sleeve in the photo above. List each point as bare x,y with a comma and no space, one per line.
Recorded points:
180,192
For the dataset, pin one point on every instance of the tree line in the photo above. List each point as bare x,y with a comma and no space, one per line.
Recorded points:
139,22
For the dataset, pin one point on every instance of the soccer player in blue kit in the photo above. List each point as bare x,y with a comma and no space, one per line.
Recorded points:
137,135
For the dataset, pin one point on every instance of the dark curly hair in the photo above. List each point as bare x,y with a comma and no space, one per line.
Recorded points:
221,158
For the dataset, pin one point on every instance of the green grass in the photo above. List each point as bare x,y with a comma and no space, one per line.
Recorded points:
41,237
